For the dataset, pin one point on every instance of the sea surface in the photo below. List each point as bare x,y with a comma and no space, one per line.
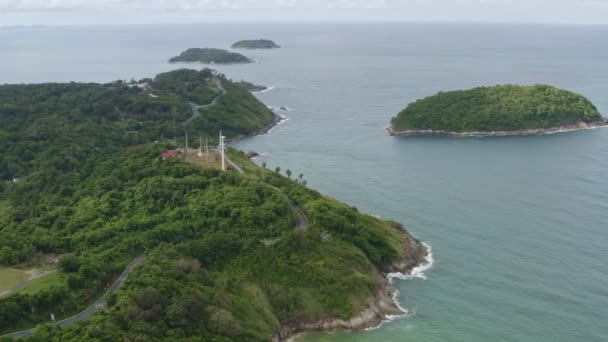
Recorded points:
518,226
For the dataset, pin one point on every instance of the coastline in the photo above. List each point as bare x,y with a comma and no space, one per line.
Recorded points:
529,132
382,306
276,119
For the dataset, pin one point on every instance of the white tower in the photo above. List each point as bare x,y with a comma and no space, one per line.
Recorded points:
200,147
186,143
222,151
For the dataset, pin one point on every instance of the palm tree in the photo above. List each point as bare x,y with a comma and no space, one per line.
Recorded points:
288,172
301,176
277,170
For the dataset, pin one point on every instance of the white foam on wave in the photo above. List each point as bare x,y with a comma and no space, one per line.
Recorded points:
389,318
265,90
416,272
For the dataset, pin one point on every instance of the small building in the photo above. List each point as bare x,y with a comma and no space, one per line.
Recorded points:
169,154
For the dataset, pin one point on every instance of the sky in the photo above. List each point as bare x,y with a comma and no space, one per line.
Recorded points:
87,12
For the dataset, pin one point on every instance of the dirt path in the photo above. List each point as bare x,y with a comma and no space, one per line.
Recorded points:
33,276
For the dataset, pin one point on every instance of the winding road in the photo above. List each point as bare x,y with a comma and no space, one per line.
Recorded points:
195,108
100,304
302,219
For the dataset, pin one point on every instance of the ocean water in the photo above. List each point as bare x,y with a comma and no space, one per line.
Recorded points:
518,226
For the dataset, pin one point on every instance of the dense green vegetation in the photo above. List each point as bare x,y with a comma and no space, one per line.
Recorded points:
499,108
210,56
224,259
255,44
60,123
236,113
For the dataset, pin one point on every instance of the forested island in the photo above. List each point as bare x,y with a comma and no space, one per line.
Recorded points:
210,56
91,181
255,44
497,111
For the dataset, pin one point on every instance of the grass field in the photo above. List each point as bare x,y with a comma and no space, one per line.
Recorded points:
42,283
10,277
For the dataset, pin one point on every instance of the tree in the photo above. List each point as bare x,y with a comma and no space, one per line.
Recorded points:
69,263
288,172
277,170
301,176
264,164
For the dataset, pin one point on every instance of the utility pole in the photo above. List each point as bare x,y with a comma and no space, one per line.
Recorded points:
200,147
186,142
222,151
206,147
174,129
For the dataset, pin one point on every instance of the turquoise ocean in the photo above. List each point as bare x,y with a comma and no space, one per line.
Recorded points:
518,226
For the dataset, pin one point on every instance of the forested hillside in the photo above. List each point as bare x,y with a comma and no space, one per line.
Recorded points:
59,124
225,260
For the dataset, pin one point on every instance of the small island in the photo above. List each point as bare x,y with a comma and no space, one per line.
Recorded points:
255,44
502,110
210,56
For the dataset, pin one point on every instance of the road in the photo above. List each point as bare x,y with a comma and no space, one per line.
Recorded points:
302,219
100,304
195,108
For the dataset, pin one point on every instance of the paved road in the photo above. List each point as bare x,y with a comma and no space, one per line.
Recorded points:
195,108
100,304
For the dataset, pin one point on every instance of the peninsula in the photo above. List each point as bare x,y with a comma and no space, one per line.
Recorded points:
210,56
497,111
255,44
154,241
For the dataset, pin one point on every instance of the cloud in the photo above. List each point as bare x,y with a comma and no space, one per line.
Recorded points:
159,5
129,11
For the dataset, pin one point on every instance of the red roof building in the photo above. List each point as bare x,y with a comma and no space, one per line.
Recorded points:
169,154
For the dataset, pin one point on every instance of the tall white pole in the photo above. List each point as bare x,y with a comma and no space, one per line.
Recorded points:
222,151
186,142
200,147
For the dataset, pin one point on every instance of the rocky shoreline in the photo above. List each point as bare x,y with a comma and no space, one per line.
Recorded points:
381,306
276,119
529,132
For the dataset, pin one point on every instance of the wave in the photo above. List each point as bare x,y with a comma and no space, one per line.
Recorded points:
265,90
416,272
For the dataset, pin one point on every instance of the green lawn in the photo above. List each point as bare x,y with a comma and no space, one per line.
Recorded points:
42,283
10,277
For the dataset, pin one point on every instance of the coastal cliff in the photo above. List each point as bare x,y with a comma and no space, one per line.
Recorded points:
382,305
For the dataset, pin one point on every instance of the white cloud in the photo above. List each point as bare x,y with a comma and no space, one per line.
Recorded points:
139,11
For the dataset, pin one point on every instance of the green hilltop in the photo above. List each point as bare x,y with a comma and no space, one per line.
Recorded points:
227,257
210,56
498,108
255,44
